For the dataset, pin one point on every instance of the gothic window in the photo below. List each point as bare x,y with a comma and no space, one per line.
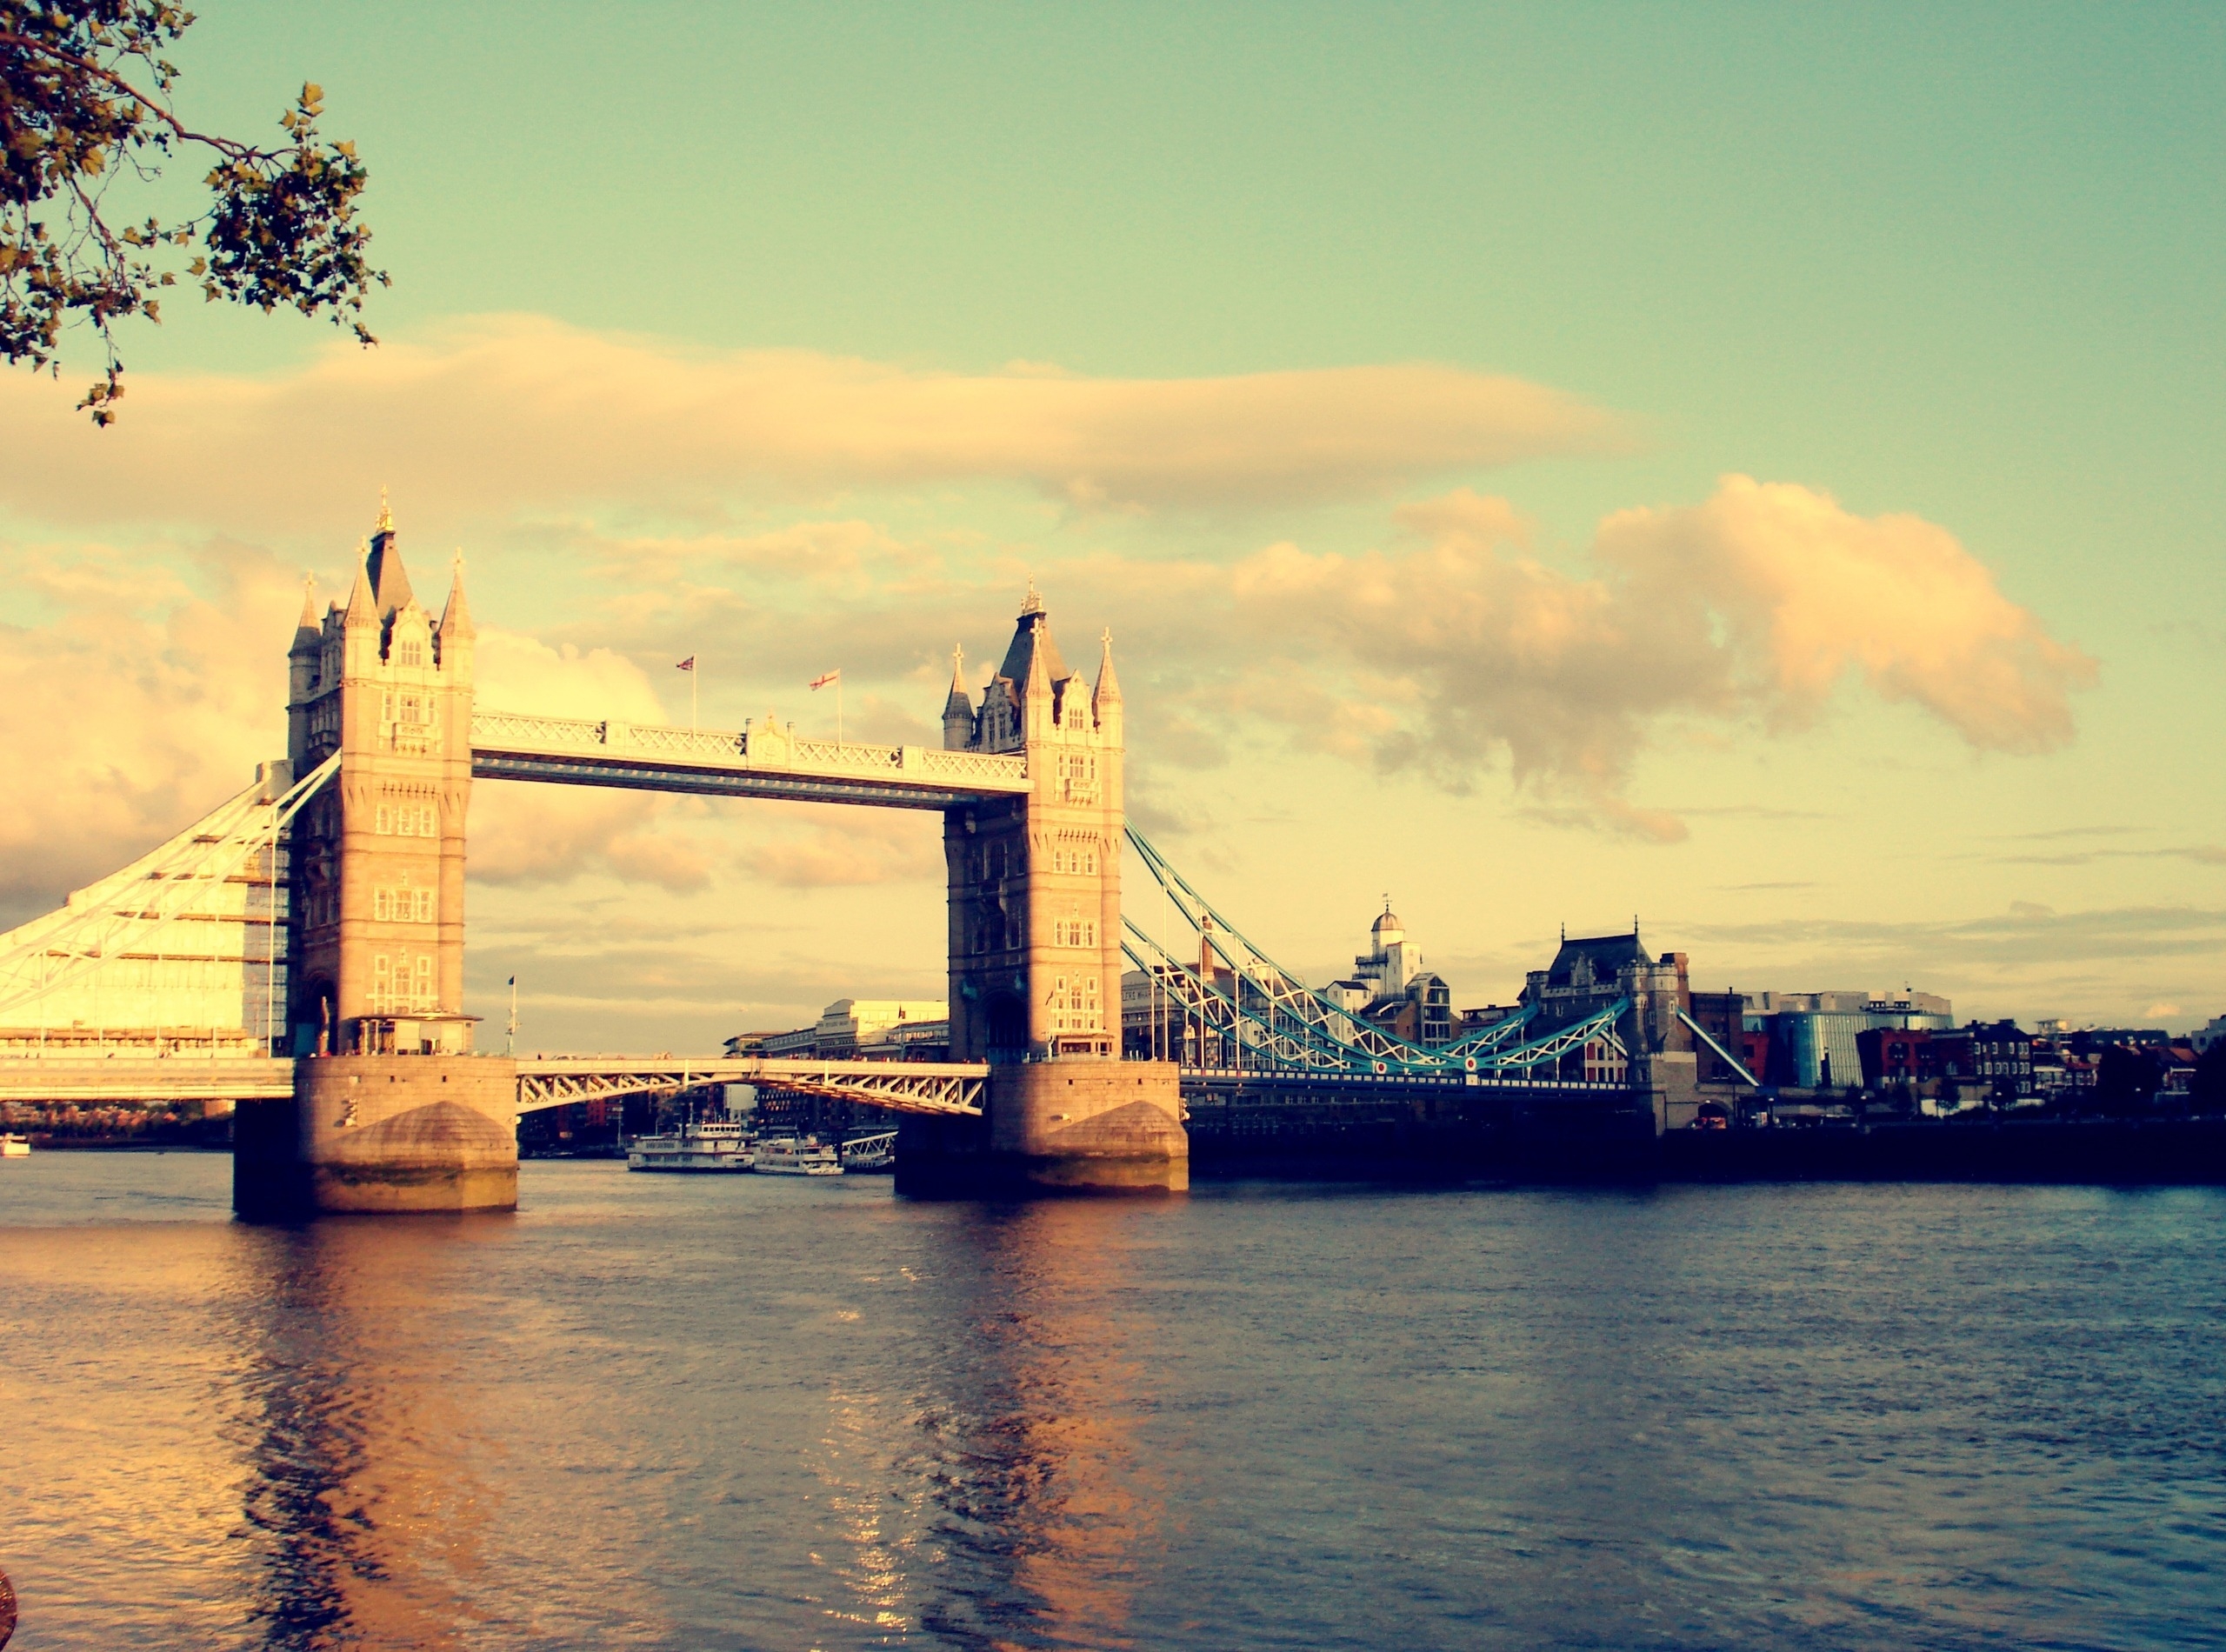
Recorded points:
409,653
1077,775
402,905
1074,1004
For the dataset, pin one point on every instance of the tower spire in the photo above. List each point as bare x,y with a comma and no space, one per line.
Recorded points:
1108,691
362,605
455,614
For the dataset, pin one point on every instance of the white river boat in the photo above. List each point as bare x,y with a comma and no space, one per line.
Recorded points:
788,1156
710,1145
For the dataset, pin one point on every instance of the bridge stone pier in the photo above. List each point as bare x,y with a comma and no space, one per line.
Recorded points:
391,1110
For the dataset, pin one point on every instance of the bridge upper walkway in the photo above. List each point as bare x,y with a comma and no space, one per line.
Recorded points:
761,761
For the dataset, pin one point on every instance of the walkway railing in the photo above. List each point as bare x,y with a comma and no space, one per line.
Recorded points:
508,744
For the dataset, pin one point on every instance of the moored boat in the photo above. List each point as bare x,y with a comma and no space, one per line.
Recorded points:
793,1156
869,1155
15,1147
715,1145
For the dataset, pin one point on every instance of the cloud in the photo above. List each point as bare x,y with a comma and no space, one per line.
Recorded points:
1460,647
145,698
523,833
147,681
1812,593
825,846
500,413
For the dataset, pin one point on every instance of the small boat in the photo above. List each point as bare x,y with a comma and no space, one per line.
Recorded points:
869,1154
15,1147
789,1156
717,1145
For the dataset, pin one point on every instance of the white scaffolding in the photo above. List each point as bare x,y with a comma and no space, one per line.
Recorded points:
159,955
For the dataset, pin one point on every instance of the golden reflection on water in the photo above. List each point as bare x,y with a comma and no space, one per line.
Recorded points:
1007,1499
363,1509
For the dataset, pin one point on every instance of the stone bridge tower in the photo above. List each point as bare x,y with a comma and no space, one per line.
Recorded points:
377,859
1034,935
391,1111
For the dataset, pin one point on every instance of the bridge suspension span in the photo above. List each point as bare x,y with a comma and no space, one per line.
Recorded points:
1246,1013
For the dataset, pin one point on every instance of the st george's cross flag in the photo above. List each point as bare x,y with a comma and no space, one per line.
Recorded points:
833,677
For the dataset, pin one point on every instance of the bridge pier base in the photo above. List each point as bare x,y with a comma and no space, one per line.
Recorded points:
1056,1127
381,1133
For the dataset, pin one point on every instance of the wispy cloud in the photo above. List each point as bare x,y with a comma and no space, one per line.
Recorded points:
492,416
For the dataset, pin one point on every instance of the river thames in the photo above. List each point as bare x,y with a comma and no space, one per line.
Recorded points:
771,1413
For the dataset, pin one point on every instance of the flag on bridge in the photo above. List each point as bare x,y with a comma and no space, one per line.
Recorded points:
835,676
688,664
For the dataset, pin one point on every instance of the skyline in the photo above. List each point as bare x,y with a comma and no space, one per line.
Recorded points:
1809,646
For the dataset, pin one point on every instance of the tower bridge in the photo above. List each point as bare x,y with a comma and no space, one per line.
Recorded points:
338,877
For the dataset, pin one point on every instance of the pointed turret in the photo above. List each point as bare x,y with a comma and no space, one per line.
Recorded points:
958,708
455,613
309,632
363,602
1105,698
1108,691
390,581
1031,645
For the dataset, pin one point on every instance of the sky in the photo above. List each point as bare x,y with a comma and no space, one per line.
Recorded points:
1753,470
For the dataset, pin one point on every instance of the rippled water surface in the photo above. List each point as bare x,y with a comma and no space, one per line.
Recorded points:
692,1413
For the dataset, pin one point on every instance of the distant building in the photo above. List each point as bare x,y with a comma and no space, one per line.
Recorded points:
1587,975
2212,1032
855,1029
850,1024
1815,1040
1390,988
1993,1061
1723,1016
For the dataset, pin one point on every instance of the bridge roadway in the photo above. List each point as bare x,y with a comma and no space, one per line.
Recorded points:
120,1079
768,760
945,1087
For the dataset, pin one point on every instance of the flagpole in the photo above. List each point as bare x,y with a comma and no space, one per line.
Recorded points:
692,674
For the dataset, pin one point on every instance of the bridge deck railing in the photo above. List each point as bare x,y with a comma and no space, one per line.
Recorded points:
771,747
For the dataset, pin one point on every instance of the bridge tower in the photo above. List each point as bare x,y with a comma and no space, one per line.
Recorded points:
390,1110
1035,941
